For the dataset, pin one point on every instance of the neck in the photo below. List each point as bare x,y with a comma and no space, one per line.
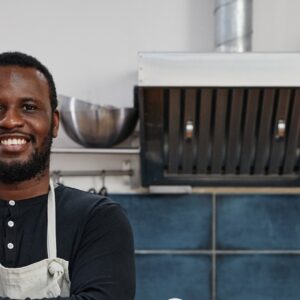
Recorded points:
26,189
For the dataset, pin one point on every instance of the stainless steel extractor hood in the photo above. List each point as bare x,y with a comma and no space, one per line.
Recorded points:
219,119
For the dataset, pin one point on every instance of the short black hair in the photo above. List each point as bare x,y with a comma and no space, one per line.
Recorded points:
27,61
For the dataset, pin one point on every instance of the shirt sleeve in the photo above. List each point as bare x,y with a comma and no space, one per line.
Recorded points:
103,267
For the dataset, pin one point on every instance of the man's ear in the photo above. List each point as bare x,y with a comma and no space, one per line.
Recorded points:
55,123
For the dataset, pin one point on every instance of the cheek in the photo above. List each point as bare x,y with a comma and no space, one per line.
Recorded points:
40,129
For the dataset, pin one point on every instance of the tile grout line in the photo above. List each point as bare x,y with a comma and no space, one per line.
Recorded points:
218,252
213,273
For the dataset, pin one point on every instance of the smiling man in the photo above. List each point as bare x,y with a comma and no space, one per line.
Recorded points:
55,242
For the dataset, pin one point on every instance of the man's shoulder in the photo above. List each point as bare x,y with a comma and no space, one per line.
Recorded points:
81,200
80,207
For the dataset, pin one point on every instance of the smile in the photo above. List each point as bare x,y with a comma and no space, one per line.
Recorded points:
13,141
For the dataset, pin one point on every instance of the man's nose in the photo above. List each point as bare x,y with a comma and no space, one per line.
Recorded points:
11,119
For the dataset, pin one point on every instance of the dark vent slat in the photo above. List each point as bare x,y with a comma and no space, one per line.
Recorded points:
233,148
293,136
219,131
278,144
188,132
174,130
152,139
166,121
263,140
203,157
248,142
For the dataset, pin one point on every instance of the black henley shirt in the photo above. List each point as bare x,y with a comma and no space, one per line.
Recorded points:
92,233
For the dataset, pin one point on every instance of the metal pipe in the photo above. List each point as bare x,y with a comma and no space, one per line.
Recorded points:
117,151
233,25
92,173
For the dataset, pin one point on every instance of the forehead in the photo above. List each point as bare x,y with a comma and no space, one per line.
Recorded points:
23,80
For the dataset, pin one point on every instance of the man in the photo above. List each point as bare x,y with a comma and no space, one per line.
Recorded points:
55,242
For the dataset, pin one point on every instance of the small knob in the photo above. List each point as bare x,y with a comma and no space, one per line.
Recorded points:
280,133
189,131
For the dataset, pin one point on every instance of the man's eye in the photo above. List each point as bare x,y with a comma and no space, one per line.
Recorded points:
29,107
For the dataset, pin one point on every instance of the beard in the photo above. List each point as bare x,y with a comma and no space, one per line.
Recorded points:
38,162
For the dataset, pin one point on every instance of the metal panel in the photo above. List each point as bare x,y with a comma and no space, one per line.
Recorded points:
189,127
248,142
174,130
235,140
234,131
218,69
278,143
218,150
263,140
293,135
204,147
151,103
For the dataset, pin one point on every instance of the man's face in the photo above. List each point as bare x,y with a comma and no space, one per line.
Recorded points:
27,124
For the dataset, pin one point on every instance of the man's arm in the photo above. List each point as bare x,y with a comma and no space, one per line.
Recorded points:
103,268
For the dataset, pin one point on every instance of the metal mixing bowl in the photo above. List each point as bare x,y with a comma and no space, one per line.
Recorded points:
92,125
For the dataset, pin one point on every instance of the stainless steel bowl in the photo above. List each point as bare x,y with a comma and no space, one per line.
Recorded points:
92,125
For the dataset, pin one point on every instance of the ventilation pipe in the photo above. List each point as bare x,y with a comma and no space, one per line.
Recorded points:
233,25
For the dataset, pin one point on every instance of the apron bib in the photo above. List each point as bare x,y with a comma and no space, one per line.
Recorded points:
47,278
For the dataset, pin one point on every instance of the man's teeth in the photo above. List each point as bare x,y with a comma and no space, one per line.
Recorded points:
13,142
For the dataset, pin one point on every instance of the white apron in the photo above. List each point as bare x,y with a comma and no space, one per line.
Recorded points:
44,279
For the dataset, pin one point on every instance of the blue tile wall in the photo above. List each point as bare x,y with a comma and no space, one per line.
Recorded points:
169,221
256,254
258,277
258,222
173,276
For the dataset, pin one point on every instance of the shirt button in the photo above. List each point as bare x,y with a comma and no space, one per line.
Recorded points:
12,203
11,223
10,246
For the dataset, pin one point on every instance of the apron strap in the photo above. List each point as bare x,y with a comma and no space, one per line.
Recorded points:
51,227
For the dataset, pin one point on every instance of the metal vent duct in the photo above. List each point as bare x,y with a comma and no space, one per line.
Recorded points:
233,25
215,120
